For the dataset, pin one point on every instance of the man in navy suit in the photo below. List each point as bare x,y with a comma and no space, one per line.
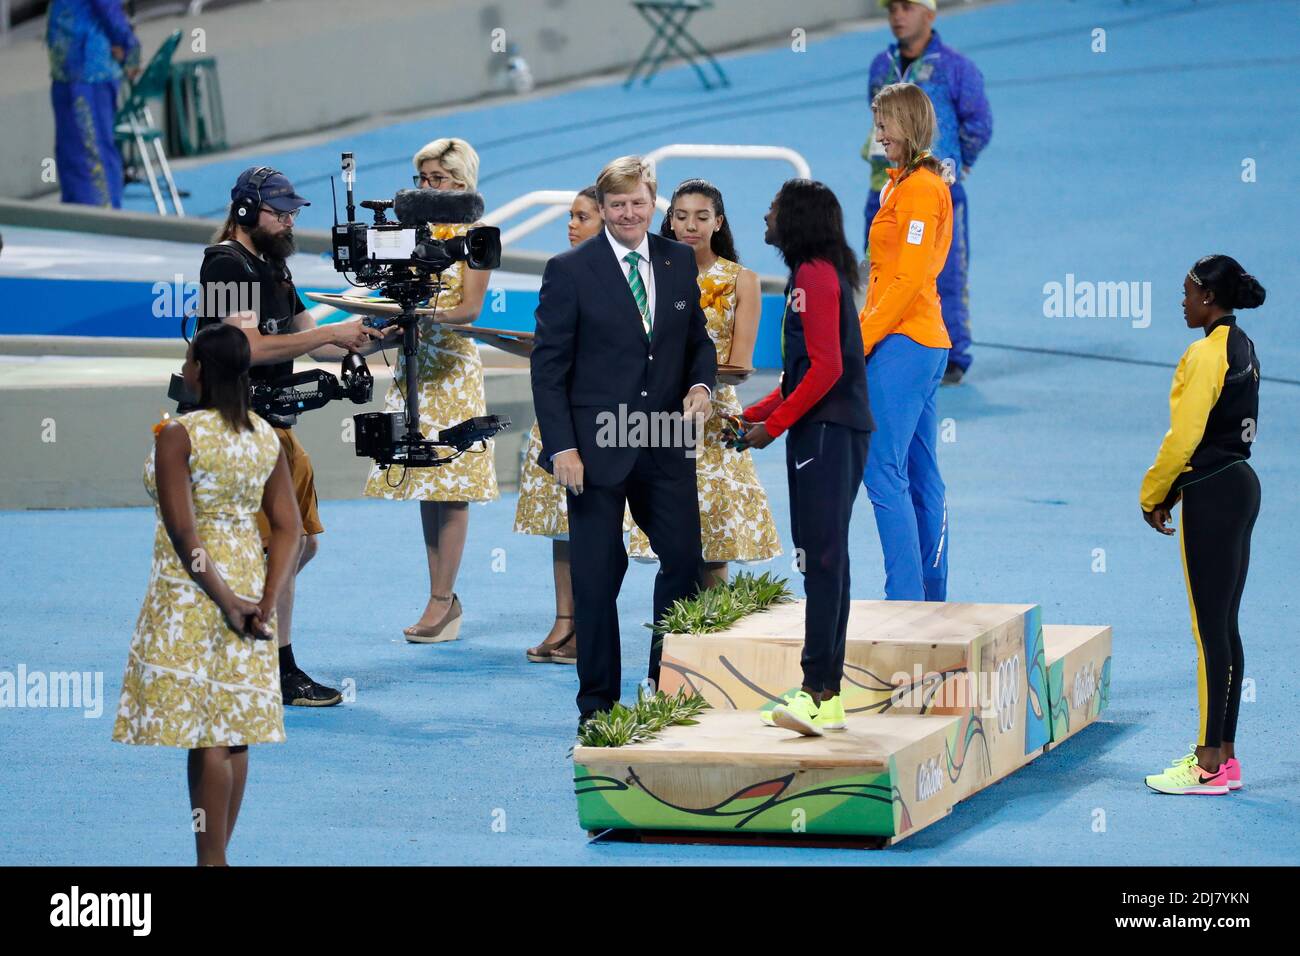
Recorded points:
621,346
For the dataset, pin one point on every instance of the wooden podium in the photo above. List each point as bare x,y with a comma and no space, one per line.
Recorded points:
881,777
943,700
1078,677
983,663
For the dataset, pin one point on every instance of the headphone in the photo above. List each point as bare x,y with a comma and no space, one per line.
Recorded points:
248,198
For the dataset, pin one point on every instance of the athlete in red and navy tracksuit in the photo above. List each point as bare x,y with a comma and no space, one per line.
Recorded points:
822,403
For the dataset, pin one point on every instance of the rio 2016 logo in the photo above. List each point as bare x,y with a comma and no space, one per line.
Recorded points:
929,779
1008,692
1085,686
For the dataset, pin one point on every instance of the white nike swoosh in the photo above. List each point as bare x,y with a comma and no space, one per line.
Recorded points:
800,464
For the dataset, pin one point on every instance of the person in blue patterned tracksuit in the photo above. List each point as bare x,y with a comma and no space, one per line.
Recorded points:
91,47
956,88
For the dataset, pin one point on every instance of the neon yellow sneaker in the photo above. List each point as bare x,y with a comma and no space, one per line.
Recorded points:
1190,779
1231,765
799,715
830,714
1186,759
765,715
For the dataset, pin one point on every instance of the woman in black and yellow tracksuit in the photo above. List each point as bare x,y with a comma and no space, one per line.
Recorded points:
1214,405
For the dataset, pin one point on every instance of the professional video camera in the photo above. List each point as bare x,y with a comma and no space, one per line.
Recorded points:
284,399
399,258
405,263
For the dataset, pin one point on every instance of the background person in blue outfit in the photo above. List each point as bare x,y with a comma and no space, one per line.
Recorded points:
956,88
91,47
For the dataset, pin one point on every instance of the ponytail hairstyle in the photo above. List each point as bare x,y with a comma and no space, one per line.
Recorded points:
722,242
907,107
1233,287
810,225
227,230
223,355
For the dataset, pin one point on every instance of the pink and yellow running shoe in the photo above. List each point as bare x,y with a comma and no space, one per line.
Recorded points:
1233,766
1190,779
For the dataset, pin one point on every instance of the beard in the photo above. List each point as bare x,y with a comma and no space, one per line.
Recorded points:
280,245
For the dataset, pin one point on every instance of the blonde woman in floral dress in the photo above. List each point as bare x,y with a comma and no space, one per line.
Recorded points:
543,507
450,380
203,670
735,519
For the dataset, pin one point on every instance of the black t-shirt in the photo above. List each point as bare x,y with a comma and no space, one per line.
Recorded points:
234,280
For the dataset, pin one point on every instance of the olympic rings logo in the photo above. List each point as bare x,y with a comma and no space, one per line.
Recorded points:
1008,692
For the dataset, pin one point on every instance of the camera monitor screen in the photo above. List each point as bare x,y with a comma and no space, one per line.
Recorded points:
390,245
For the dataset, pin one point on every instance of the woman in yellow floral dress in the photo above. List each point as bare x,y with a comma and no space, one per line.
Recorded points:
203,671
543,507
735,519
450,380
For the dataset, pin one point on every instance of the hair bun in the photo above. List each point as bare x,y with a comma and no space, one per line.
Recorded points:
1250,294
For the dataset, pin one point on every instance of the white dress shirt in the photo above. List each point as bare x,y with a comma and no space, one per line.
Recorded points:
643,265
647,279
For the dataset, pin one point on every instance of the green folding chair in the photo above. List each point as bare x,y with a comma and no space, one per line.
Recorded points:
196,122
134,123
669,19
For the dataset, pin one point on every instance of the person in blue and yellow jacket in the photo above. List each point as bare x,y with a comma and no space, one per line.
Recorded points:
1213,411
92,46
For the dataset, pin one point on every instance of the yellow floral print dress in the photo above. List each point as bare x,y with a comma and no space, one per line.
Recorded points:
190,680
450,377
735,519
543,506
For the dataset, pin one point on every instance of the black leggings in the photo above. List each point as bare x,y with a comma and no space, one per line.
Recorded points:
1219,513
824,463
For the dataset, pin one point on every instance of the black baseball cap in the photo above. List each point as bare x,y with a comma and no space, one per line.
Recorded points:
276,191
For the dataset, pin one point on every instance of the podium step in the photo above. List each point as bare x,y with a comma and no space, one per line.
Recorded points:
884,776
1078,676
981,663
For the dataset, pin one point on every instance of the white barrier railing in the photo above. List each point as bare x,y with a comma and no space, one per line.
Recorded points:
559,200
705,151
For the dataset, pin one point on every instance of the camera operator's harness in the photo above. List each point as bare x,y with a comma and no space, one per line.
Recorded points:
281,401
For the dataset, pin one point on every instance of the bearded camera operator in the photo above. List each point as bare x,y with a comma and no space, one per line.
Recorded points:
246,283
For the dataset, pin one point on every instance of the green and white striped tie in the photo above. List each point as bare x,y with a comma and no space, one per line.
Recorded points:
633,259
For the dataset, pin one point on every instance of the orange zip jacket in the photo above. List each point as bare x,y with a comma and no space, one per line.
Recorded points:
909,242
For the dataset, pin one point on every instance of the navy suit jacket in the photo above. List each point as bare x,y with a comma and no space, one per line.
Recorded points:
591,354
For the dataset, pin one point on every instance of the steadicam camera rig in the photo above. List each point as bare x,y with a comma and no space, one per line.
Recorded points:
284,399
405,263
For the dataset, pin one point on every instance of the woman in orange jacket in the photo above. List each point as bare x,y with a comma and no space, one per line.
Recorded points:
907,348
